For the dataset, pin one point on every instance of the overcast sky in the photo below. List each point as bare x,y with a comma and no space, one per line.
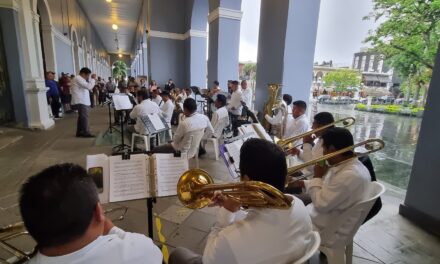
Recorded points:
341,30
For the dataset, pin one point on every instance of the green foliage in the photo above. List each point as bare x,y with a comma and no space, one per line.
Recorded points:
342,79
250,69
119,69
361,107
408,37
391,109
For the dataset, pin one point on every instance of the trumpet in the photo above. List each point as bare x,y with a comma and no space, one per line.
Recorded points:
371,145
196,188
283,143
16,230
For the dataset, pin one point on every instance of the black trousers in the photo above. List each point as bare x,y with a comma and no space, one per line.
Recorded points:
55,106
82,126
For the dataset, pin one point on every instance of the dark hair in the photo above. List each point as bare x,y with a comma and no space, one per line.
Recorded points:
143,93
216,83
339,138
222,99
287,98
85,70
234,82
57,204
324,118
263,161
190,105
300,104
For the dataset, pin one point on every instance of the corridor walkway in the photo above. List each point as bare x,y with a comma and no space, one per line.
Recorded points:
388,238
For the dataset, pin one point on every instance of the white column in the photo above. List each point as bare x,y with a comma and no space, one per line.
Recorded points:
49,48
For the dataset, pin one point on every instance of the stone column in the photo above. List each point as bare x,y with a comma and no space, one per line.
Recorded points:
145,57
35,88
224,39
286,47
422,196
49,48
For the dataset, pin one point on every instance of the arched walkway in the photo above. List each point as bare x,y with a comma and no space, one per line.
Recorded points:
46,35
75,52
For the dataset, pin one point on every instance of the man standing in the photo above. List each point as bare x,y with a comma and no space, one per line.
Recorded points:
247,94
82,85
110,86
170,85
53,95
235,107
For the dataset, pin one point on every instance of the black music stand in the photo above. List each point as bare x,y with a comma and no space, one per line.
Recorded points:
111,127
122,103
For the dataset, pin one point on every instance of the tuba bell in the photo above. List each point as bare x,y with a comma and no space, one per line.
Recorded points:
274,90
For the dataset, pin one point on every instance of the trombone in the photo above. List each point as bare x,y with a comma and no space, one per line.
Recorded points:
371,145
283,143
196,188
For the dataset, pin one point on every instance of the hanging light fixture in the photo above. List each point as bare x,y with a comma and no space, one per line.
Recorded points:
108,1
115,27
120,55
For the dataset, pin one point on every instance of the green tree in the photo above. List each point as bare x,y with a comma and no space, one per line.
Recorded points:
342,79
250,69
408,36
119,69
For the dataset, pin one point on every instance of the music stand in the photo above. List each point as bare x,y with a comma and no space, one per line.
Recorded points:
122,103
111,127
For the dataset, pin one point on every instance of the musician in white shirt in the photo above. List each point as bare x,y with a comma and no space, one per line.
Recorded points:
167,107
192,121
61,210
300,122
246,94
155,97
82,85
334,190
247,235
145,107
235,107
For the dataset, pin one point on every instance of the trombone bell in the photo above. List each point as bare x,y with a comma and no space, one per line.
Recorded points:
189,183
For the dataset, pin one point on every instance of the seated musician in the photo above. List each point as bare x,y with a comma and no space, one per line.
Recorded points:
192,121
312,148
145,107
299,124
61,210
334,190
255,235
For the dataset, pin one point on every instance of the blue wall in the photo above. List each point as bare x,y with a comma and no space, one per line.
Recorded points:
167,60
64,56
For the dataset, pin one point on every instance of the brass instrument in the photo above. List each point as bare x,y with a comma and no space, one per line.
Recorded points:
274,90
196,188
17,230
371,145
283,143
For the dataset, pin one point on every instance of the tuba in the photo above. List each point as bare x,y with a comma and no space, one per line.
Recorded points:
196,188
274,90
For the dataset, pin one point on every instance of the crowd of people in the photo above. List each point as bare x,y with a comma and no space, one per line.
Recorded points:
62,212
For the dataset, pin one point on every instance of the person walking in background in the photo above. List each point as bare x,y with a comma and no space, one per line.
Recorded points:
66,97
53,95
82,85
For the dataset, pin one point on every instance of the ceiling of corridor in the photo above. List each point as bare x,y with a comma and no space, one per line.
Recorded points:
123,13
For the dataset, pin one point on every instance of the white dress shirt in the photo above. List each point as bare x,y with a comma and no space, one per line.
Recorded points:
167,109
257,236
310,152
81,90
235,103
194,122
116,247
295,127
278,118
247,97
342,187
158,100
147,107
217,123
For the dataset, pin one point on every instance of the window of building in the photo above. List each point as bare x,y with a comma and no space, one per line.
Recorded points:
364,60
371,63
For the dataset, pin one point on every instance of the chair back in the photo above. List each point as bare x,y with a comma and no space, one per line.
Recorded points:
191,142
311,250
358,212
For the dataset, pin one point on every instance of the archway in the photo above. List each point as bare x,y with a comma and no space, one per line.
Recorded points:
84,50
75,44
46,36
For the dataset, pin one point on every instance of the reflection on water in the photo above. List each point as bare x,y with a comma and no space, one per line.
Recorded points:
400,133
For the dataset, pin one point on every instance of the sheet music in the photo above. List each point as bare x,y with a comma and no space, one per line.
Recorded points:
128,178
250,130
261,132
122,102
156,121
234,151
168,171
97,166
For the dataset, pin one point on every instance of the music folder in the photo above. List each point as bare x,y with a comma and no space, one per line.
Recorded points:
230,151
154,123
135,176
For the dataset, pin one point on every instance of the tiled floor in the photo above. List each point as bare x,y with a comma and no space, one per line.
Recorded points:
388,238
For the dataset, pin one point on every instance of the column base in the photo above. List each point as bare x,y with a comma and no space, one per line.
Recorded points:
38,114
421,219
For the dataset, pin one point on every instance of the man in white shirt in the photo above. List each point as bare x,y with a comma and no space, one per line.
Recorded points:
300,122
235,106
247,235
192,121
246,94
167,107
156,97
61,210
145,107
282,116
334,190
82,85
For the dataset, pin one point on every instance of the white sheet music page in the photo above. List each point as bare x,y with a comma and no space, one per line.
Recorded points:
128,178
98,169
122,102
156,121
249,129
234,151
168,171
